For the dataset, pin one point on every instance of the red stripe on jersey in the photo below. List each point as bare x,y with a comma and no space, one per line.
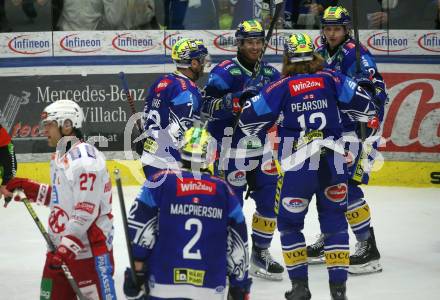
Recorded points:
5,139
97,240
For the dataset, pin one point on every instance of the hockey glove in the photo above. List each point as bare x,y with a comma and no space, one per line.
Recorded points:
35,192
371,128
367,85
133,291
139,147
65,253
241,291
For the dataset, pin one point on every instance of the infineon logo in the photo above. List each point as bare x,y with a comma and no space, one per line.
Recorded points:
430,41
28,44
75,43
225,42
128,42
317,41
171,39
381,42
277,42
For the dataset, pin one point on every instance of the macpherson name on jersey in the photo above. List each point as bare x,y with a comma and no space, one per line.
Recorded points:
196,210
309,105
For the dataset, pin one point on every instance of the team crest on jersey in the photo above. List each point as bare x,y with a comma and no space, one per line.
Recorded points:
252,129
162,85
237,178
305,85
295,205
336,193
58,219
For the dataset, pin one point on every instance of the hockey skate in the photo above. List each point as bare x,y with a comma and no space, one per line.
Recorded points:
315,251
263,265
365,260
300,290
337,291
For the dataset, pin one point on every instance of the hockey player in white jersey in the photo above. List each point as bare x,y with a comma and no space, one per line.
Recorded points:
80,223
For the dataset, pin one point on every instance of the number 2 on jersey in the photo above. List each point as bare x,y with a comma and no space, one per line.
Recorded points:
187,254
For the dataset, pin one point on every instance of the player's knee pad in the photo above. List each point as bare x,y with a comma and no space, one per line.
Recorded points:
332,221
265,201
358,215
263,225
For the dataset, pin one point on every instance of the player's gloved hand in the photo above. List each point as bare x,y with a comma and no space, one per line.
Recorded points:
367,85
240,291
65,253
139,146
371,128
35,192
233,101
133,291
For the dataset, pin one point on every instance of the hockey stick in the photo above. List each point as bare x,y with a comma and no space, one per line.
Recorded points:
130,99
358,57
125,224
49,242
257,67
276,16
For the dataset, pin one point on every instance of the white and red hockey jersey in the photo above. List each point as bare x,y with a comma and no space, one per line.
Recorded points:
81,201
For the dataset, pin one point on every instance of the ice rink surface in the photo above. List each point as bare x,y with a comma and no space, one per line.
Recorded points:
406,223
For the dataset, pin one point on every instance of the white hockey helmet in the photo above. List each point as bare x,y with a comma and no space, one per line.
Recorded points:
63,110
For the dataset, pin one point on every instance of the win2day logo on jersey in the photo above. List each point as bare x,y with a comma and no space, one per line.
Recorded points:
190,186
300,86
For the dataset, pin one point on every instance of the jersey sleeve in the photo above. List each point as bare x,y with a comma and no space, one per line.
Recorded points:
183,110
262,111
221,79
353,100
143,221
7,163
90,184
368,69
238,254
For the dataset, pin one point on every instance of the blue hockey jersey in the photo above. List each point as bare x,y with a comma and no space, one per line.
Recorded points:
230,77
310,106
191,233
172,104
344,61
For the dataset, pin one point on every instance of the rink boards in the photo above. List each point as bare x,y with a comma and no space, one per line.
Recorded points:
410,128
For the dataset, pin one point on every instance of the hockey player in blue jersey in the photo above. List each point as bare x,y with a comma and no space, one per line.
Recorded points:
312,156
226,84
172,103
338,50
189,234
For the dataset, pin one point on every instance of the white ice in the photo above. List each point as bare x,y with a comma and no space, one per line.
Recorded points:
406,223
